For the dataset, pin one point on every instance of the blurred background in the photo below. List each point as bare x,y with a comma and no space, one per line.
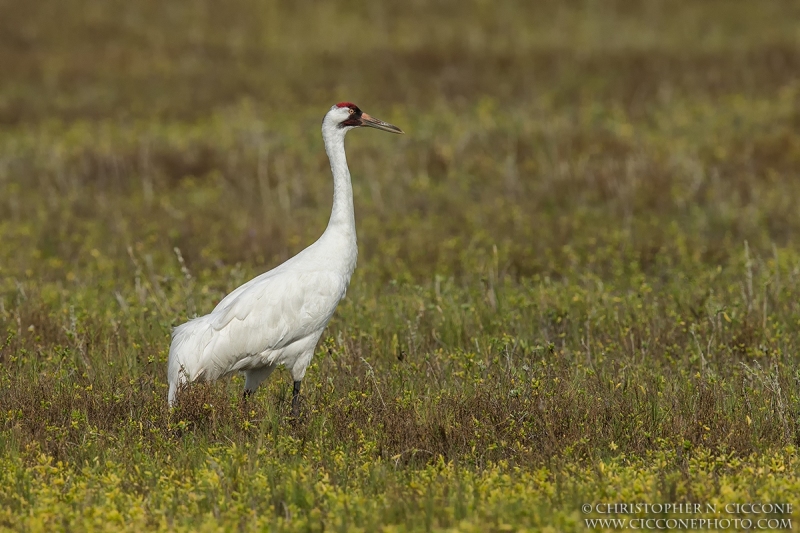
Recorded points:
614,127
126,60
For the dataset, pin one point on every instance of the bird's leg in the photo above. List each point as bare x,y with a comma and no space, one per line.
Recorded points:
243,404
296,399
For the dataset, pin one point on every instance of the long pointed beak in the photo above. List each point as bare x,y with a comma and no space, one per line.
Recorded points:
372,122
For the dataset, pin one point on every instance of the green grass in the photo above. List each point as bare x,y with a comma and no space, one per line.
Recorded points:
578,279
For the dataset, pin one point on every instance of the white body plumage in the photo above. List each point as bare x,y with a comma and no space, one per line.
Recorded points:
278,317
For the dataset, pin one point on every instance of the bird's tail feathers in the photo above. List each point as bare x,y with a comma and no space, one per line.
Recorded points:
185,364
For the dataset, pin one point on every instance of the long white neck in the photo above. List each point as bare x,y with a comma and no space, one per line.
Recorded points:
342,215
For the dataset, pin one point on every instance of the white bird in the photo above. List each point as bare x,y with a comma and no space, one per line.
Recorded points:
278,317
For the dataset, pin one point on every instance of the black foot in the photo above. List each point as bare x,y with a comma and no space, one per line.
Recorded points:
296,400
244,404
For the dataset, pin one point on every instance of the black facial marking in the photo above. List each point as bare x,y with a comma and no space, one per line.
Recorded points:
354,119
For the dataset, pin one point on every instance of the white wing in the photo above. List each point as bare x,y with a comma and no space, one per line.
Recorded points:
265,315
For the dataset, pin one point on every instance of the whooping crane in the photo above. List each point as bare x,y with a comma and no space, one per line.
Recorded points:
278,317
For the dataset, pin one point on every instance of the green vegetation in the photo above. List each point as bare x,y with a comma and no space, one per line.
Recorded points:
579,273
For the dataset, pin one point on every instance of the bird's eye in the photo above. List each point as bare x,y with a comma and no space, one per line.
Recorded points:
351,110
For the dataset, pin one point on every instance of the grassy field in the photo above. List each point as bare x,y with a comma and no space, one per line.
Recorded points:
578,280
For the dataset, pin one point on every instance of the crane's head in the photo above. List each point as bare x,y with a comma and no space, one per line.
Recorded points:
347,115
